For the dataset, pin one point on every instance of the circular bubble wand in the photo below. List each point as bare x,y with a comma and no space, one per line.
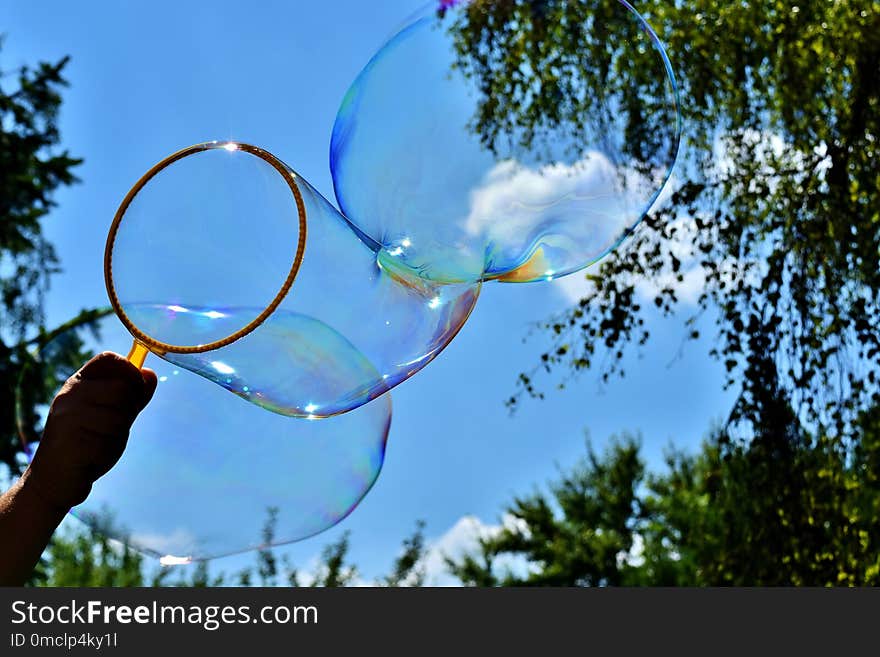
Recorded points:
144,343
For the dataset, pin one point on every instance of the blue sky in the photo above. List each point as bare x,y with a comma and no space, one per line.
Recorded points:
145,82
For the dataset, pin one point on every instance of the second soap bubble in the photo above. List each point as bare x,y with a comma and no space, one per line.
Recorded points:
517,140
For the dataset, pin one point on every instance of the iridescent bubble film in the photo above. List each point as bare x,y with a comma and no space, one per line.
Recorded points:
516,140
224,226
203,469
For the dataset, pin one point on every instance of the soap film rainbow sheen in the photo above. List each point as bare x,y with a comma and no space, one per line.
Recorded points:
217,231
410,168
202,468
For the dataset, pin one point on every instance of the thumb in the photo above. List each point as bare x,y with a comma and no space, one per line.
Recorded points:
150,382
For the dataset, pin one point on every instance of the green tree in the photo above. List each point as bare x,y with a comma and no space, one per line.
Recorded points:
573,536
83,556
32,169
88,558
777,205
408,569
775,510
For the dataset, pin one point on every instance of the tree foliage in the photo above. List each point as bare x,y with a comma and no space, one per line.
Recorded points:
574,536
776,205
83,556
32,169
87,558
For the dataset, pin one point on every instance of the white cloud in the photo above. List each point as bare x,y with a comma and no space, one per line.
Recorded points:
574,211
574,205
693,282
514,199
571,288
460,539
770,149
576,286
463,538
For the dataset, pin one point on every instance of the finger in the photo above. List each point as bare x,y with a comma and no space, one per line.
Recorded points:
150,383
110,393
109,365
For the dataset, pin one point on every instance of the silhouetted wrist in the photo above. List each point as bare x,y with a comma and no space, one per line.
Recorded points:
46,498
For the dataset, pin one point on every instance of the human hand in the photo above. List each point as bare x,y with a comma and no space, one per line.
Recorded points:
87,428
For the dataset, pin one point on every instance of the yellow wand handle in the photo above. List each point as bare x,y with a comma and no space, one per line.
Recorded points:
138,354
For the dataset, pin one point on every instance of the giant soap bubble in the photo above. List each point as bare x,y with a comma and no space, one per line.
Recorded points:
513,140
202,469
